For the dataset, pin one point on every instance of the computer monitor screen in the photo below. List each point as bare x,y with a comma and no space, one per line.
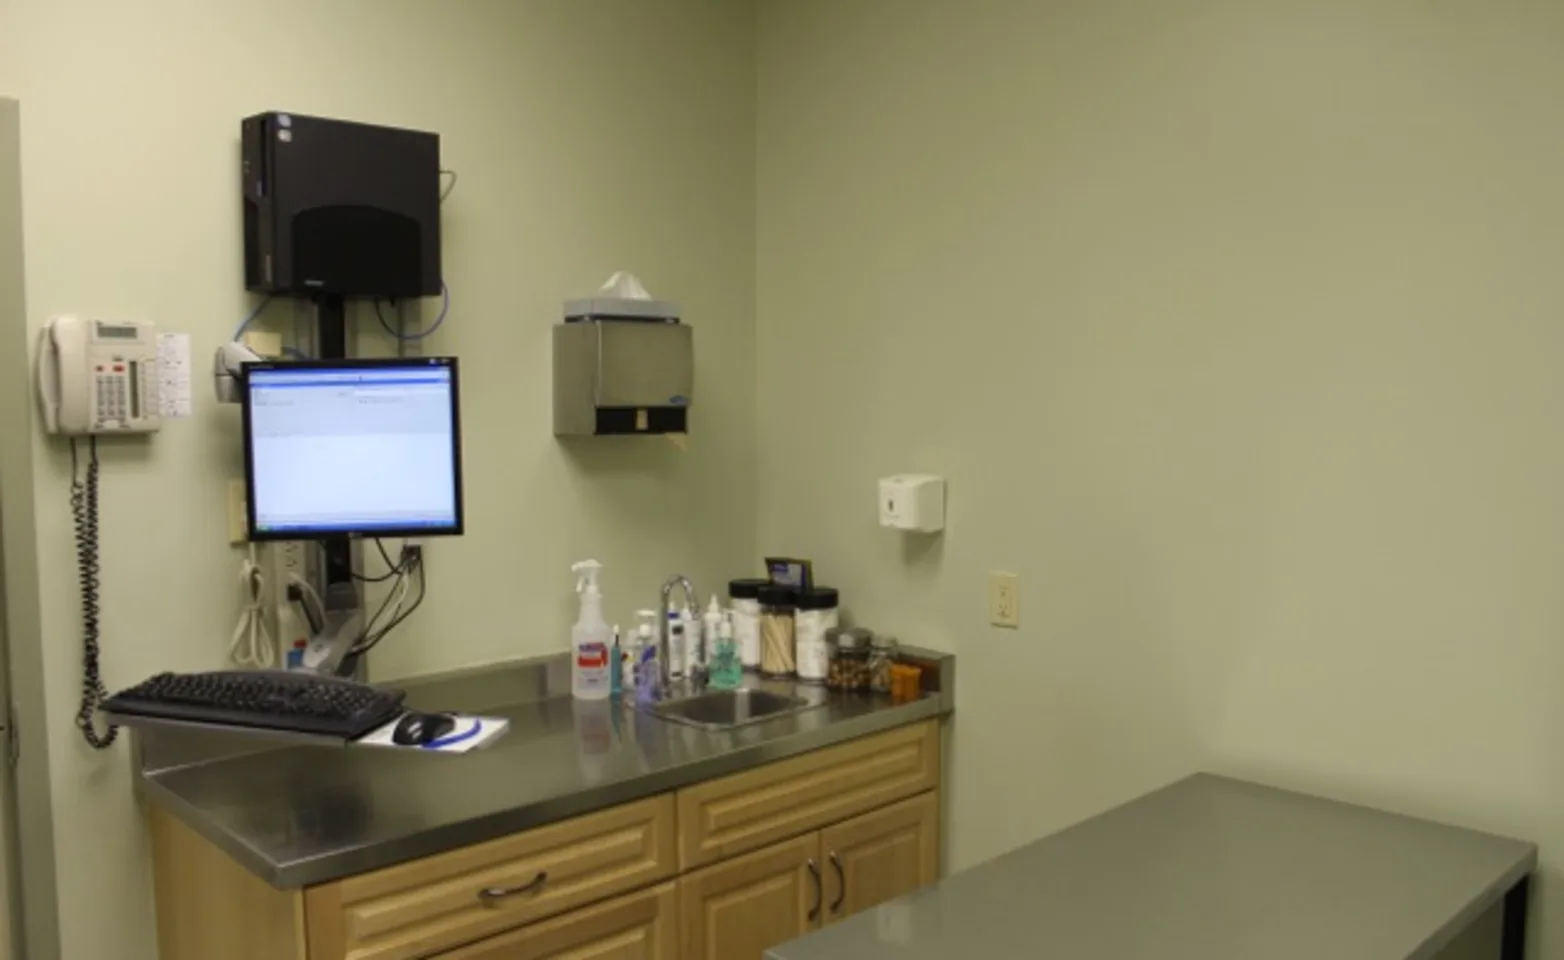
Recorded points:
356,447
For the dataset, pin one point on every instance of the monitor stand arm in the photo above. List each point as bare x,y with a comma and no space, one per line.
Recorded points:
327,651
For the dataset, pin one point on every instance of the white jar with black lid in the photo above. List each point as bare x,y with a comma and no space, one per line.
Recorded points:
744,600
817,614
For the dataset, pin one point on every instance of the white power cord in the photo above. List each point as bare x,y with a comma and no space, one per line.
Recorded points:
309,595
252,645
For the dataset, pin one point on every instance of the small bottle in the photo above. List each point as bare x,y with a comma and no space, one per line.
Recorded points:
678,653
645,673
882,656
694,649
727,669
711,622
616,665
590,638
627,654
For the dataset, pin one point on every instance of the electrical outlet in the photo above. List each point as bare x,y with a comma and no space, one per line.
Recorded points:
287,559
1004,599
238,515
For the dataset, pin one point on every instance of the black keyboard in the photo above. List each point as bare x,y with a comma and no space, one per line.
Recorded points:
271,700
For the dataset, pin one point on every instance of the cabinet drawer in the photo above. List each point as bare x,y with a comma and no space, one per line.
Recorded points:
641,925
750,810
421,908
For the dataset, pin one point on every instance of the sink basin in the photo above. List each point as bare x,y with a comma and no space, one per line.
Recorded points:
721,709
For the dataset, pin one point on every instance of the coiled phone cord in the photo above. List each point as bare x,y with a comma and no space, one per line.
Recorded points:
84,512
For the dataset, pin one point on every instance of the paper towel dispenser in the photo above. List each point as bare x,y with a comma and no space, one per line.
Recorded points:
616,375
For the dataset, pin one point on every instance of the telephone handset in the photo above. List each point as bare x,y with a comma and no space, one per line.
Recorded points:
98,377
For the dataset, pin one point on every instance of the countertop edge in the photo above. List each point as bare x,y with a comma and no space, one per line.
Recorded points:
359,860
1458,924
246,856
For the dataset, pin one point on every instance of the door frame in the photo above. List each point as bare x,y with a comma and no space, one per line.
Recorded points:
33,890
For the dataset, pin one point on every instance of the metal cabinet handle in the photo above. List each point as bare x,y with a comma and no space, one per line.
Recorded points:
841,883
491,896
814,871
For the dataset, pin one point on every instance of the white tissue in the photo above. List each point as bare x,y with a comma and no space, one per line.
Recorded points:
625,286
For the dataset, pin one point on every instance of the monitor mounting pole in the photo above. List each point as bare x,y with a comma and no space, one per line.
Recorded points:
328,650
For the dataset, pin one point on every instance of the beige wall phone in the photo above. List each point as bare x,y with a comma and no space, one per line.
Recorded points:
98,377
95,377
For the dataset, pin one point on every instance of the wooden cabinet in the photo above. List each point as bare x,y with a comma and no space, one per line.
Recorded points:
209,906
749,810
419,908
721,870
736,909
641,926
880,856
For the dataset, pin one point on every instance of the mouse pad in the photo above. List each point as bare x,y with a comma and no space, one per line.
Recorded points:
470,733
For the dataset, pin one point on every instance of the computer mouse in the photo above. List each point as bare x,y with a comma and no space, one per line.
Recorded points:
417,729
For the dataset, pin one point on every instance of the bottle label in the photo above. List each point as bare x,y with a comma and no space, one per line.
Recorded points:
814,654
814,660
592,656
746,630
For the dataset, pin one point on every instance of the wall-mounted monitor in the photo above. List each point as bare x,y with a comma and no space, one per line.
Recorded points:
368,448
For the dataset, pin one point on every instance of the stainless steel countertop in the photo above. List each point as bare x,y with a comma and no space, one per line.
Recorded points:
1207,867
300,815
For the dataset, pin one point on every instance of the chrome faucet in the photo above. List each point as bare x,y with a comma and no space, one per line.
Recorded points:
665,662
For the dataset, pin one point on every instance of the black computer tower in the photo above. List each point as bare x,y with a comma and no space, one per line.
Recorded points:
339,208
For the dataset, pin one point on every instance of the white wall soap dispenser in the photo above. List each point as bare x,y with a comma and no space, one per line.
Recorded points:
913,501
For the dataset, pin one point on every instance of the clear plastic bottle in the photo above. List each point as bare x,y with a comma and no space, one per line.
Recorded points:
591,639
644,672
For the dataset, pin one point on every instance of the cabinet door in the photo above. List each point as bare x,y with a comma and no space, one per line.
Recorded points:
739,908
881,855
641,926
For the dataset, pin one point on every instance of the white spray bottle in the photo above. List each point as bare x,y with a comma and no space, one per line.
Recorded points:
591,639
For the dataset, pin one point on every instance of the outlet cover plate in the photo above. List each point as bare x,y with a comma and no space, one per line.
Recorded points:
1004,599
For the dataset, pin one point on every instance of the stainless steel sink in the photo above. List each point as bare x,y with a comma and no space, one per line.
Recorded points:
723,709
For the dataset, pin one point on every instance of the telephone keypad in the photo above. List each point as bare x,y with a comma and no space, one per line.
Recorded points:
112,399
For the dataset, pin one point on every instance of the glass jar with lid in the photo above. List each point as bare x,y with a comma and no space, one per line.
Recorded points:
849,668
778,654
882,656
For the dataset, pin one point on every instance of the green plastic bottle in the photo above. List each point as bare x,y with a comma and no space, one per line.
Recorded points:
727,671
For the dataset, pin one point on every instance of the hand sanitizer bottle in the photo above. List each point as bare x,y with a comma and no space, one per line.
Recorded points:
727,669
591,639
